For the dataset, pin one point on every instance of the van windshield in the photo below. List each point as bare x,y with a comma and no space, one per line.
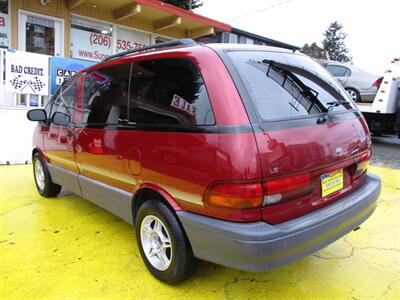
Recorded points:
284,85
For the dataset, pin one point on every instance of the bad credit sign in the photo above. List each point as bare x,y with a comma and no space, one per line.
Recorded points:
27,73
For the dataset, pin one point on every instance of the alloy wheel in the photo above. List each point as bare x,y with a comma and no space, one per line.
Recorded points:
156,242
39,174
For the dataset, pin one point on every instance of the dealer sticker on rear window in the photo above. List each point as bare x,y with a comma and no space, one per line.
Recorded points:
331,182
183,105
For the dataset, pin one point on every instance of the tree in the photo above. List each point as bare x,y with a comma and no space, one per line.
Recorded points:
334,44
313,50
185,3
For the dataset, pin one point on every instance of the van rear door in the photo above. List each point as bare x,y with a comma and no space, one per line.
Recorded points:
313,143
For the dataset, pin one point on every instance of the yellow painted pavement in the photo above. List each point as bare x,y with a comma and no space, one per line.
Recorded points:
67,248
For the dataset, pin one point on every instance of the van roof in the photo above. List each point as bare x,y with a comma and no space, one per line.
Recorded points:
188,43
244,47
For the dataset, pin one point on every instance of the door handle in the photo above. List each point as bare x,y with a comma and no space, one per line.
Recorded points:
69,133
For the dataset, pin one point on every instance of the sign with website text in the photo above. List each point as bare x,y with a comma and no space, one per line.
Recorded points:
128,39
27,73
3,30
90,45
64,68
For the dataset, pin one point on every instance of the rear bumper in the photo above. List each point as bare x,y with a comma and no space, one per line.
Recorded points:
260,246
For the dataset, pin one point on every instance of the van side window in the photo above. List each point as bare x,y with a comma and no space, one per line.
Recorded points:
105,96
168,92
64,99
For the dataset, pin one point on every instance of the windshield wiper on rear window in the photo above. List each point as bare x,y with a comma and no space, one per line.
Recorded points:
331,105
303,94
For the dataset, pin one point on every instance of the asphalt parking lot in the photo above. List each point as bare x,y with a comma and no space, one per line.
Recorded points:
67,248
386,151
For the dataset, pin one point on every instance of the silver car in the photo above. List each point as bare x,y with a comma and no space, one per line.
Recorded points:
361,85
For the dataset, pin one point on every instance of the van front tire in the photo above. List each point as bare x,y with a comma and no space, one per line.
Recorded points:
45,186
163,244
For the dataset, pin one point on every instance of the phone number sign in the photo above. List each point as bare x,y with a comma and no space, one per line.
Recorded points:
88,45
131,39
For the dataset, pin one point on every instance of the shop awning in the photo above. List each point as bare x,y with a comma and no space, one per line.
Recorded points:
157,16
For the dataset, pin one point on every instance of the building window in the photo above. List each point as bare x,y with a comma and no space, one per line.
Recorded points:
242,40
128,39
90,40
233,38
4,24
245,40
39,35
224,37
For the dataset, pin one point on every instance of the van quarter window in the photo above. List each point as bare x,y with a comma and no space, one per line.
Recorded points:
105,96
168,92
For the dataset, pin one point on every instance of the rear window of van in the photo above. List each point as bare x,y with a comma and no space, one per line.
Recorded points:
284,85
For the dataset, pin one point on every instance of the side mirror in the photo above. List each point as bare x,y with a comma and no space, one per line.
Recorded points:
38,114
60,118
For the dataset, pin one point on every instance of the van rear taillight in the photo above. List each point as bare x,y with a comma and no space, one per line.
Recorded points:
286,188
239,195
362,163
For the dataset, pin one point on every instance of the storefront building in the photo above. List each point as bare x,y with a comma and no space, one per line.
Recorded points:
56,38
101,27
70,35
93,29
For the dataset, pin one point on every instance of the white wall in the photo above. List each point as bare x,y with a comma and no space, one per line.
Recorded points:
16,133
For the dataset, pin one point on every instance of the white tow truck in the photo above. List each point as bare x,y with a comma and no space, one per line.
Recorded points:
383,114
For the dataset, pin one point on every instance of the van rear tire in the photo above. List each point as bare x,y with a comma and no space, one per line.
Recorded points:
163,244
44,185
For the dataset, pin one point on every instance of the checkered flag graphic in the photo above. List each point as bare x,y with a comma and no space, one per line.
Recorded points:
36,84
17,83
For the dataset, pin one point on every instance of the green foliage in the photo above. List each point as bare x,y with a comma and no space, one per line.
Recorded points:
185,3
313,50
334,44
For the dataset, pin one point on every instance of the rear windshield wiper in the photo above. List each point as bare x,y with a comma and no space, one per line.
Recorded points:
331,105
291,83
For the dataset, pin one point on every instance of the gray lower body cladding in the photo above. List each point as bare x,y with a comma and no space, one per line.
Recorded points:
260,246
254,246
116,201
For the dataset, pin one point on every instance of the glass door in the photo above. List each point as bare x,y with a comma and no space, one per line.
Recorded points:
40,34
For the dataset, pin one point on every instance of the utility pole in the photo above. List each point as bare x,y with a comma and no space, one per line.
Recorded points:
190,5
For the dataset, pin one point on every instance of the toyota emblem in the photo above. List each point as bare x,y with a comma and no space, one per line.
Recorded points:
339,151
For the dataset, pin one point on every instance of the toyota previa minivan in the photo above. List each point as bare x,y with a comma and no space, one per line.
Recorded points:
246,156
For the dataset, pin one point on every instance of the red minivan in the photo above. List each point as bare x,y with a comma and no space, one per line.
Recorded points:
246,156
